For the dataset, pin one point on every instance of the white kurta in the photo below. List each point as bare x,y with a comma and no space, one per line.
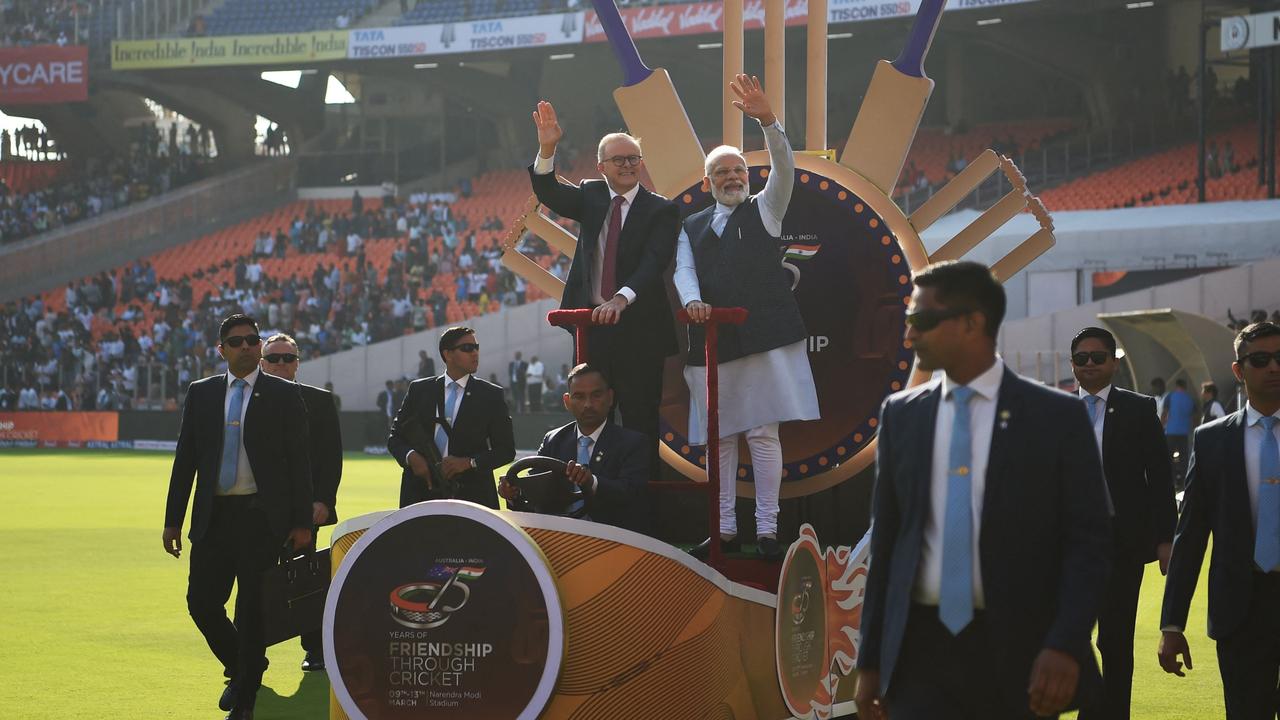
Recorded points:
763,388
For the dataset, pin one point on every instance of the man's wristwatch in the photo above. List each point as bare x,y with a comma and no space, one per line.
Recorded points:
473,463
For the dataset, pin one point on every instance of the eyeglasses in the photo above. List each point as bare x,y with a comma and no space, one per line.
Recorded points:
1260,359
467,347
623,160
1098,357
277,358
236,341
926,320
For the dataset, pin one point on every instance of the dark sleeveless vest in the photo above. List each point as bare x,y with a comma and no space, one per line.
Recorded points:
742,268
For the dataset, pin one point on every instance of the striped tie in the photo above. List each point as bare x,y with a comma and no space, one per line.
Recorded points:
584,450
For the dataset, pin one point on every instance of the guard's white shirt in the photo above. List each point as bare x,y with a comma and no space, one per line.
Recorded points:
245,484
1101,419
982,417
1253,455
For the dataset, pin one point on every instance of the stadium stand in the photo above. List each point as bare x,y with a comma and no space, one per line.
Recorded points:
1168,177
40,22
335,273
45,196
937,155
243,17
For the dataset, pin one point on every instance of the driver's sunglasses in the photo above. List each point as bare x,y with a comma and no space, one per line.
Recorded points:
1260,359
1098,357
277,358
466,347
236,341
624,160
926,320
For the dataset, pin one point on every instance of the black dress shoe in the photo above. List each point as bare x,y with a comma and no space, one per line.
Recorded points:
702,550
239,714
313,661
228,699
769,548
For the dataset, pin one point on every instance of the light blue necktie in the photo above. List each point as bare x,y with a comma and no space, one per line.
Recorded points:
1093,408
955,602
584,450
1266,548
231,437
450,406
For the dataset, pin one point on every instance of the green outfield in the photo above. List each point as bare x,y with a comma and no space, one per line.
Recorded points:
95,625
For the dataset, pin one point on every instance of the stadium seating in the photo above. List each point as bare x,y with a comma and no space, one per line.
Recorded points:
1165,178
934,148
245,17
428,12
23,177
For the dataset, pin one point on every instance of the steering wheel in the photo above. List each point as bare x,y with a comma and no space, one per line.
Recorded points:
546,488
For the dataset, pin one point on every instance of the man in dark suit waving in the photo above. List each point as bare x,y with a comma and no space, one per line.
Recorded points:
1139,477
626,242
479,437
280,358
990,534
1233,493
244,441
609,463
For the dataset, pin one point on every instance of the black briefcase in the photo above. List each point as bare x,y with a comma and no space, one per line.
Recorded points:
423,443
293,594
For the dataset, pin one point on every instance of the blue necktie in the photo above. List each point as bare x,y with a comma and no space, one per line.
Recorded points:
1266,548
955,602
231,437
584,450
450,405
1093,408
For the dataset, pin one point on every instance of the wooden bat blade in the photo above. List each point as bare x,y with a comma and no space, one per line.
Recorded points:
1021,256
654,114
982,227
886,125
950,195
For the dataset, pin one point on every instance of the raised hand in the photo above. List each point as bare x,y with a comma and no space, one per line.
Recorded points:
751,99
549,130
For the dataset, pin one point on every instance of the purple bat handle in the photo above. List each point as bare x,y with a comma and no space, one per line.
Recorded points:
624,48
911,61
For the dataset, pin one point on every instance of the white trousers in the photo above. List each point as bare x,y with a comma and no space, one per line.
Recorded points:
766,461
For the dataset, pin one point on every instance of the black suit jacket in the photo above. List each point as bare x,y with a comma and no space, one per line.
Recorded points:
645,250
620,464
1216,501
326,447
1135,461
481,430
276,439
1044,541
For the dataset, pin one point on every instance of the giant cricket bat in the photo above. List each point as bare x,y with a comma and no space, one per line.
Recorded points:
653,111
892,108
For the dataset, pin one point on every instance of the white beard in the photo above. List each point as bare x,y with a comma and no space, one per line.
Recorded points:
730,198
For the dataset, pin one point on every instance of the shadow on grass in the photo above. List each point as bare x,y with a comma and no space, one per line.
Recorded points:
309,702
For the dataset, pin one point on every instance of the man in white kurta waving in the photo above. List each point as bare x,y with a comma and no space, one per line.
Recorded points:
730,255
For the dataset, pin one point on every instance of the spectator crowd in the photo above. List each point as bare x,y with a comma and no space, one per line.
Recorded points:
130,338
43,22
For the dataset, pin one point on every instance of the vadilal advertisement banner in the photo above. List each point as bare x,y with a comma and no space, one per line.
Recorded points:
290,48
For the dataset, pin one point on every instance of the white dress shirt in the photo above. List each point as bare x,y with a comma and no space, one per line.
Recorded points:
1101,419
1253,455
544,166
462,393
245,484
982,416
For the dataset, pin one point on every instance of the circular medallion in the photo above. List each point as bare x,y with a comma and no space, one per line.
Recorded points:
443,609
801,625
849,253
